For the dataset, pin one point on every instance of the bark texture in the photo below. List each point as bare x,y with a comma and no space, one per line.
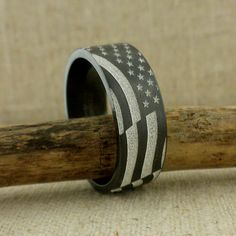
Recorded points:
86,148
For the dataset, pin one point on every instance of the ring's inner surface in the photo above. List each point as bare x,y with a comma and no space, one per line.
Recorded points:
85,92
86,95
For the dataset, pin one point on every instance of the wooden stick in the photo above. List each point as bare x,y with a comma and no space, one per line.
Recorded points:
201,138
86,148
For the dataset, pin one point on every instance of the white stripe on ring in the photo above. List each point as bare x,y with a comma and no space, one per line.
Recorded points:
132,153
163,154
156,173
152,134
116,190
137,183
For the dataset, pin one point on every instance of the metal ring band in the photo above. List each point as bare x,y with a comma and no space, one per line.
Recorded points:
120,73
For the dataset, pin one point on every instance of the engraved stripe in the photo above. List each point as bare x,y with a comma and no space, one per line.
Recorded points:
152,130
137,183
124,84
156,173
132,153
163,154
119,116
116,190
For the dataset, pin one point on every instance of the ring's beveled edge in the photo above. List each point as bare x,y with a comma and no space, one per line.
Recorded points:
84,54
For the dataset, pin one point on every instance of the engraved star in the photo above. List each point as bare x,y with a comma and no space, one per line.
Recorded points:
115,49
104,53
146,103
139,53
148,93
129,57
129,63
114,46
150,82
131,72
128,51
156,99
141,67
150,72
101,49
140,87
140,76
119,60
141,60
117,54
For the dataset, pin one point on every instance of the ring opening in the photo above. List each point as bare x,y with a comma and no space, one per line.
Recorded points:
86,95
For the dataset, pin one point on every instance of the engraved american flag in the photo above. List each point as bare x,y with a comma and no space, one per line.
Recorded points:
138,108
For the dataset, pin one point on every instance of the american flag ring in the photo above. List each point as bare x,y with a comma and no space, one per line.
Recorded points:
121,74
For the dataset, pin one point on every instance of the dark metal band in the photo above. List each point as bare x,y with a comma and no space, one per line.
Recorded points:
121,74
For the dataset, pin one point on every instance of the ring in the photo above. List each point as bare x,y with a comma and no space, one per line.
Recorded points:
120,74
